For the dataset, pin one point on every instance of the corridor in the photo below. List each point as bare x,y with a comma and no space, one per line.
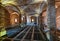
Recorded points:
29,20
28,33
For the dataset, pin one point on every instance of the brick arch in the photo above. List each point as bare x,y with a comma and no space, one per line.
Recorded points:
14,18
44,15
58,17
5,15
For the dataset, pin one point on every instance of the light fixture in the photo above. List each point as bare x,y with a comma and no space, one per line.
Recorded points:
22,18
15,19
32,20
56,6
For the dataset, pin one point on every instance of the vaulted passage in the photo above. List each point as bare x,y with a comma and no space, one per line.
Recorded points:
29,20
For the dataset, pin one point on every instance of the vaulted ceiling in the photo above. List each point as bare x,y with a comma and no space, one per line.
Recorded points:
31,6
34,6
